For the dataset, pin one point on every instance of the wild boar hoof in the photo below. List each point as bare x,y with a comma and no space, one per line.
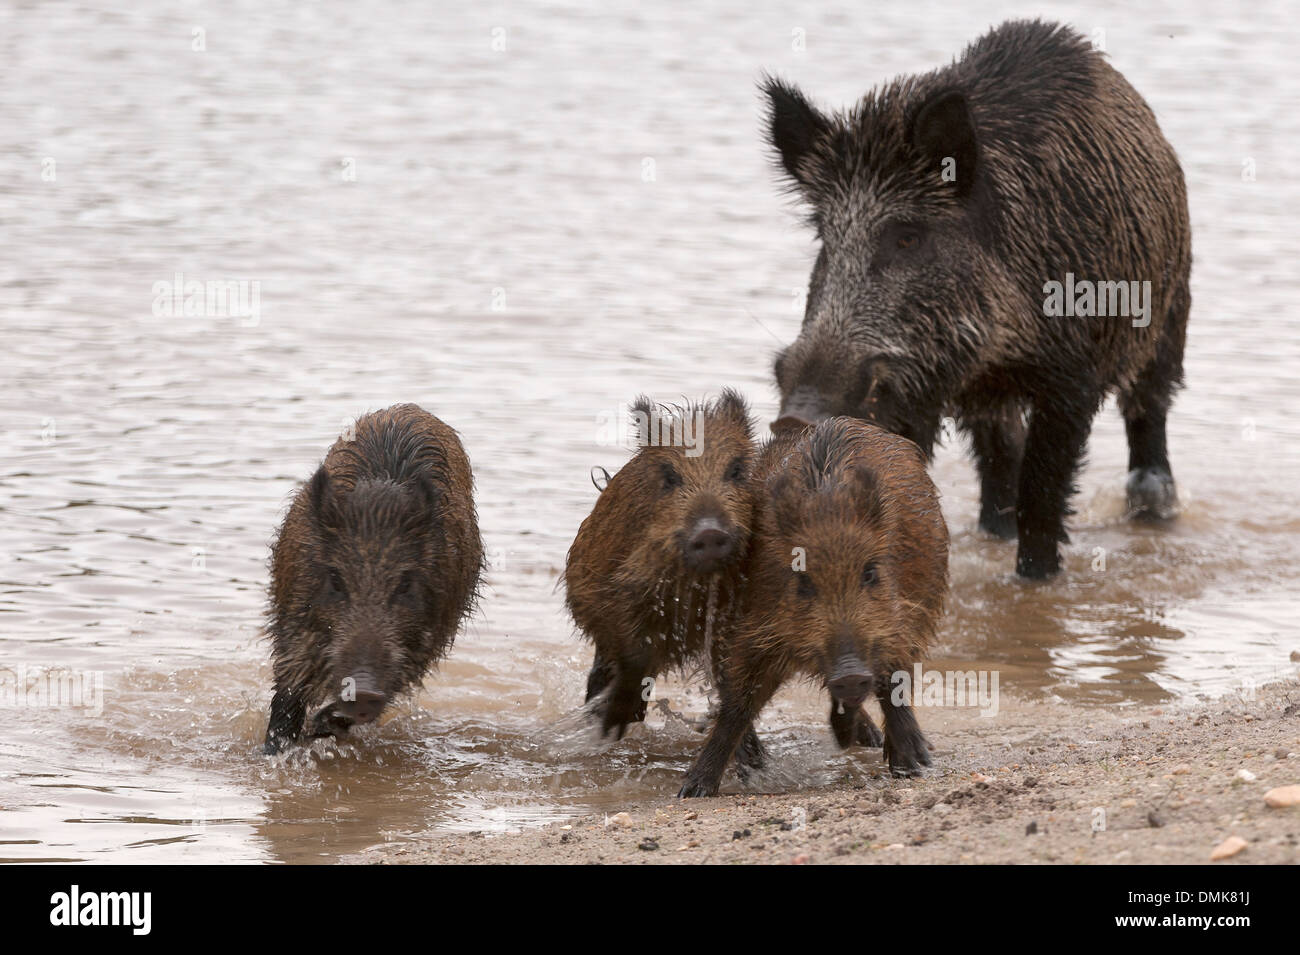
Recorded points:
696,789
1037,562
1151,494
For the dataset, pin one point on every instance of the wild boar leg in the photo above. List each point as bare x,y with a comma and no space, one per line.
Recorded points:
1151,491
1058,433
998,444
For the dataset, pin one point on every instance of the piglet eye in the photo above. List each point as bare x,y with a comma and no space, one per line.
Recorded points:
403,586
336,587
805,587
870,575
736,471
908,240
671,478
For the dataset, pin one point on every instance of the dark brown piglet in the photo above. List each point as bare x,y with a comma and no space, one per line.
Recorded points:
375,567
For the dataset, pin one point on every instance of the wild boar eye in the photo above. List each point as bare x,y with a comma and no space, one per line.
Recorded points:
806,588
870,575
736,471
336,587
671,478
909,240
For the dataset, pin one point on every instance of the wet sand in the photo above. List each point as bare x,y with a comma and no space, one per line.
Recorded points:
1050,783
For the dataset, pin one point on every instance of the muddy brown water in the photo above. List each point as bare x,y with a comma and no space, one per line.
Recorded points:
520,240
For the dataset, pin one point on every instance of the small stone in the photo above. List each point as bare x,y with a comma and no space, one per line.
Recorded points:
942,808
1245,775
1182,770
1295,656
802,859
894,845
648,844
692,815
1282,797
1228,848
1032,828
1128,804
621,819
1155,820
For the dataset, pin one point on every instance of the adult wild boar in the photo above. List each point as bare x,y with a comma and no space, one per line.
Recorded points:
947,205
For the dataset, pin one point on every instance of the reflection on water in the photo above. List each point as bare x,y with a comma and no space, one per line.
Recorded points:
520,240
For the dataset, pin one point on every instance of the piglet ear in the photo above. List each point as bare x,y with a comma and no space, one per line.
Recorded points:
942,131
321,499
644,414
783,500
427,494
868,500
733,406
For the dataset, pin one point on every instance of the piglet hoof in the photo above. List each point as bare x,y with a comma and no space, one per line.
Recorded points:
907,754
868,732
750,755
1151,494
328,723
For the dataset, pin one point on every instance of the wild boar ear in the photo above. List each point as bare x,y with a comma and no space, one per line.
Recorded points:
735,407
643,414
945,135
794,125
321,498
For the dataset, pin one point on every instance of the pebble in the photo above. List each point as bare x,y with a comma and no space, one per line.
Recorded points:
1295,656
1282,797
1246,775
1228,848
619,819
1182,770
801,860
1128,804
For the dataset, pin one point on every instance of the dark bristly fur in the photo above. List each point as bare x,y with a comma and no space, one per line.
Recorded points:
376,565
927,295
627,580
856,503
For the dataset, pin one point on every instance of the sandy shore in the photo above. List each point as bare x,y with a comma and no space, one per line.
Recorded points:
1042,782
